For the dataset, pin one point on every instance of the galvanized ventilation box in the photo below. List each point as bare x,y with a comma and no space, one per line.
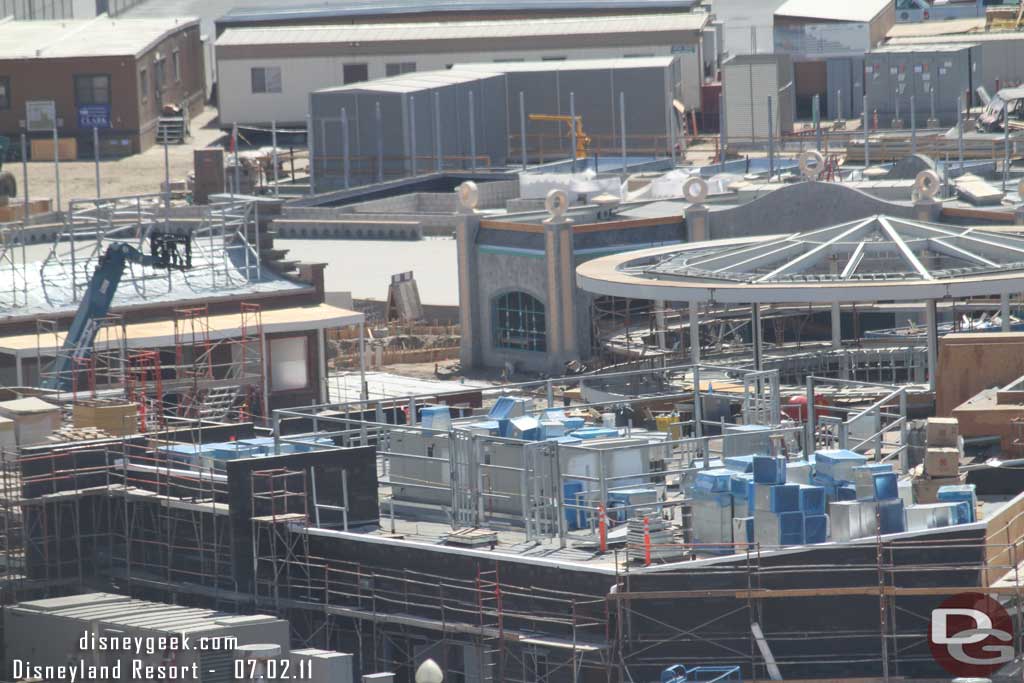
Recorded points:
747,83
930,74
424,122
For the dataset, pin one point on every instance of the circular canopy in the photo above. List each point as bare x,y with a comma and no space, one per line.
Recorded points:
881,258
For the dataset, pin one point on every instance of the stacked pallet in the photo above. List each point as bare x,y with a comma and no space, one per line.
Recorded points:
69,434
663,545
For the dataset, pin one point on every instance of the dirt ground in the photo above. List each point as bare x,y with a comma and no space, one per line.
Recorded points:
138,174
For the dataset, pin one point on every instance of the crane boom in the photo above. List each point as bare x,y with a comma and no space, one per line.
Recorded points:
99,295
582,139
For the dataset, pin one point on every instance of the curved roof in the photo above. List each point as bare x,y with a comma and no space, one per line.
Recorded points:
876,258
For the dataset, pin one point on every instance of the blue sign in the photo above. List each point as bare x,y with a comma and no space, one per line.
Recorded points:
94,116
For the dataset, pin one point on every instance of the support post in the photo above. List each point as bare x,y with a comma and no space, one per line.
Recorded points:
522,128
931,322
56,170
771,142
816,113
867,135
412,134
913,127
438,148
310,145
96,157
722,137
380,143
622,128
932,122
694,332
24,178
345,168
1004,311
363,394
234,146
960,131
572,127
273,158
837,328
472,132
755,334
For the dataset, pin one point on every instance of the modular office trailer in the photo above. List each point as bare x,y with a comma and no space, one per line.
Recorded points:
407,125
647,86
939,73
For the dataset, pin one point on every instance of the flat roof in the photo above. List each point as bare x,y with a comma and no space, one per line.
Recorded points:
223,326
937,28
273,11
412,82
99,37
569,64
986,37
460,30
914,48
858,10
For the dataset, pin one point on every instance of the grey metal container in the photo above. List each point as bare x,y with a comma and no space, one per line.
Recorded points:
647,84
895,73
413,107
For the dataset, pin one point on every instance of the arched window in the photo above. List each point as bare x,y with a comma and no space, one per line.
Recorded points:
519,322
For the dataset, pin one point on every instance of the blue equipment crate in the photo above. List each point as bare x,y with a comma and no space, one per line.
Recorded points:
815,528
740,463
846,492
572,423
507,407
715,481
891,519
812,500
525,427
738,485
791,528
595,433
886,486
572,494
837,463
785,498
964,512
769,469
960,493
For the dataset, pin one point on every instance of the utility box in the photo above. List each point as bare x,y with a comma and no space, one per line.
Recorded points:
939,73
209,170
747,83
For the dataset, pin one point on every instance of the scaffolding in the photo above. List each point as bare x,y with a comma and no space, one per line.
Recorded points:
224,248
102,370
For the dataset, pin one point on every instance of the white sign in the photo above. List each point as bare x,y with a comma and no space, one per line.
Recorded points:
40,115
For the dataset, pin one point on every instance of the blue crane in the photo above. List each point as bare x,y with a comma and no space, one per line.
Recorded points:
100,294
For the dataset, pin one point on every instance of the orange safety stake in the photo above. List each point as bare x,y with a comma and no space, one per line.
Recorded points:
647,542
602,528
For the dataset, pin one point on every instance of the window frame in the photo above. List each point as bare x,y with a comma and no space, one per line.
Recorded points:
176,65
78,100
401,68
365,66
519,311
262,70
144,84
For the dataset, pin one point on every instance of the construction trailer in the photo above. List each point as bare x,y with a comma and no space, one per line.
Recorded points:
407,125
999,55
748,81
934,75
600,91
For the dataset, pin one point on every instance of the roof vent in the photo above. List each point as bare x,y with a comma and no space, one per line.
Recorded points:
606,204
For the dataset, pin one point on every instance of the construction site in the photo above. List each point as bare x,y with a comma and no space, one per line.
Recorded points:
515,345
